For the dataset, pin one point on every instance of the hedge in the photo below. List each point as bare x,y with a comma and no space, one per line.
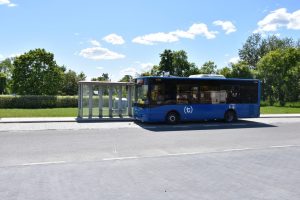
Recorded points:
36,101
277,104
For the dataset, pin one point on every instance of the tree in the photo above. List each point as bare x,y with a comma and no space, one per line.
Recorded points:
193,69
166,62
6,69
155,71
104,77
180,63
251,50
3,80
225,71
256,47
81,76
70,82
126,78
175,63
280,72
208,68
241,70
36,73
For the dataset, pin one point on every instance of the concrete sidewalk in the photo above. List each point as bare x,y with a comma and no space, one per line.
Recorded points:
61,119
75,119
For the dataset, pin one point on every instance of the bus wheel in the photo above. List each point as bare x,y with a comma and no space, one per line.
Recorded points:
230,116
172,118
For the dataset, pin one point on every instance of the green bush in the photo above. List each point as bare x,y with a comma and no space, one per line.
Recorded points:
95,101
290,104
264,103
277,104
37,101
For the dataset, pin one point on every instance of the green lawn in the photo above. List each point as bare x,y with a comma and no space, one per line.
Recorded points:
49,112
278,110
72,112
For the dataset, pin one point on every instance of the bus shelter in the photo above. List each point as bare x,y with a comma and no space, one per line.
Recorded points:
100,100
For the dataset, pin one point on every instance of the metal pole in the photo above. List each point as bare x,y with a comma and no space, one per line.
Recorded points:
129,95
120,101
100,93
90,101
110,91
79,101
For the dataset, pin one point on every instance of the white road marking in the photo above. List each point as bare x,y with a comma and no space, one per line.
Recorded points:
195,153
121,158
165,155
242,149
284,146
42,163
115,148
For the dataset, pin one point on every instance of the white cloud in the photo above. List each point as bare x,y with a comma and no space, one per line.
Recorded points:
174,36
114,39
153,38
227,26
1,57
277,19
146,66
4,2
201,29
99,53
129,71
8,3
136,71
12,5
183,34
100,68
95,43
234,60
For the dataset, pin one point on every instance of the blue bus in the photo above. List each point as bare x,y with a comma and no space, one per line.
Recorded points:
176,99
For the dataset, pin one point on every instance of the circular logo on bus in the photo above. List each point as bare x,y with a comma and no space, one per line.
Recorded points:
188,109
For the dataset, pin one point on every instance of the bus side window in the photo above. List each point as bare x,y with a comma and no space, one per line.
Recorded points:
194,95
183,94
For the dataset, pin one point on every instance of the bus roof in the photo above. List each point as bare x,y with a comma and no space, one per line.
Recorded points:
192,78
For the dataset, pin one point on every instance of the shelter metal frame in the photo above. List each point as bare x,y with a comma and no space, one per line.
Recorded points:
101,85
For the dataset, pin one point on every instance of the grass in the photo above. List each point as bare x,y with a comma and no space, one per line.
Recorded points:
72,112
278,110
49,112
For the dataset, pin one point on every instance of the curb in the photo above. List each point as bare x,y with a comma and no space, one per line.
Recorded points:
105,119
61,120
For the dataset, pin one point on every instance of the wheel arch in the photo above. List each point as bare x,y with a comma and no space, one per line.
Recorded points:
173,111
233,111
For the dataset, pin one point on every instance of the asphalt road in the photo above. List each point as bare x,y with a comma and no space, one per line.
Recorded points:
251,159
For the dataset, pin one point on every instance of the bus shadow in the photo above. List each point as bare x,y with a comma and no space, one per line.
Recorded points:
202,125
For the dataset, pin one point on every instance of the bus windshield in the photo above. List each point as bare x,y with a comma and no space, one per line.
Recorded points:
141,93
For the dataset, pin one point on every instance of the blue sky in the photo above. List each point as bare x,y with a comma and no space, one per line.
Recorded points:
125,37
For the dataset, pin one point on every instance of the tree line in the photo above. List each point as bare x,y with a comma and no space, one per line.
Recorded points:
37,73
273,60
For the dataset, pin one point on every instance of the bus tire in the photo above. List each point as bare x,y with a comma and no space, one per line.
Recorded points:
172,117
230,116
